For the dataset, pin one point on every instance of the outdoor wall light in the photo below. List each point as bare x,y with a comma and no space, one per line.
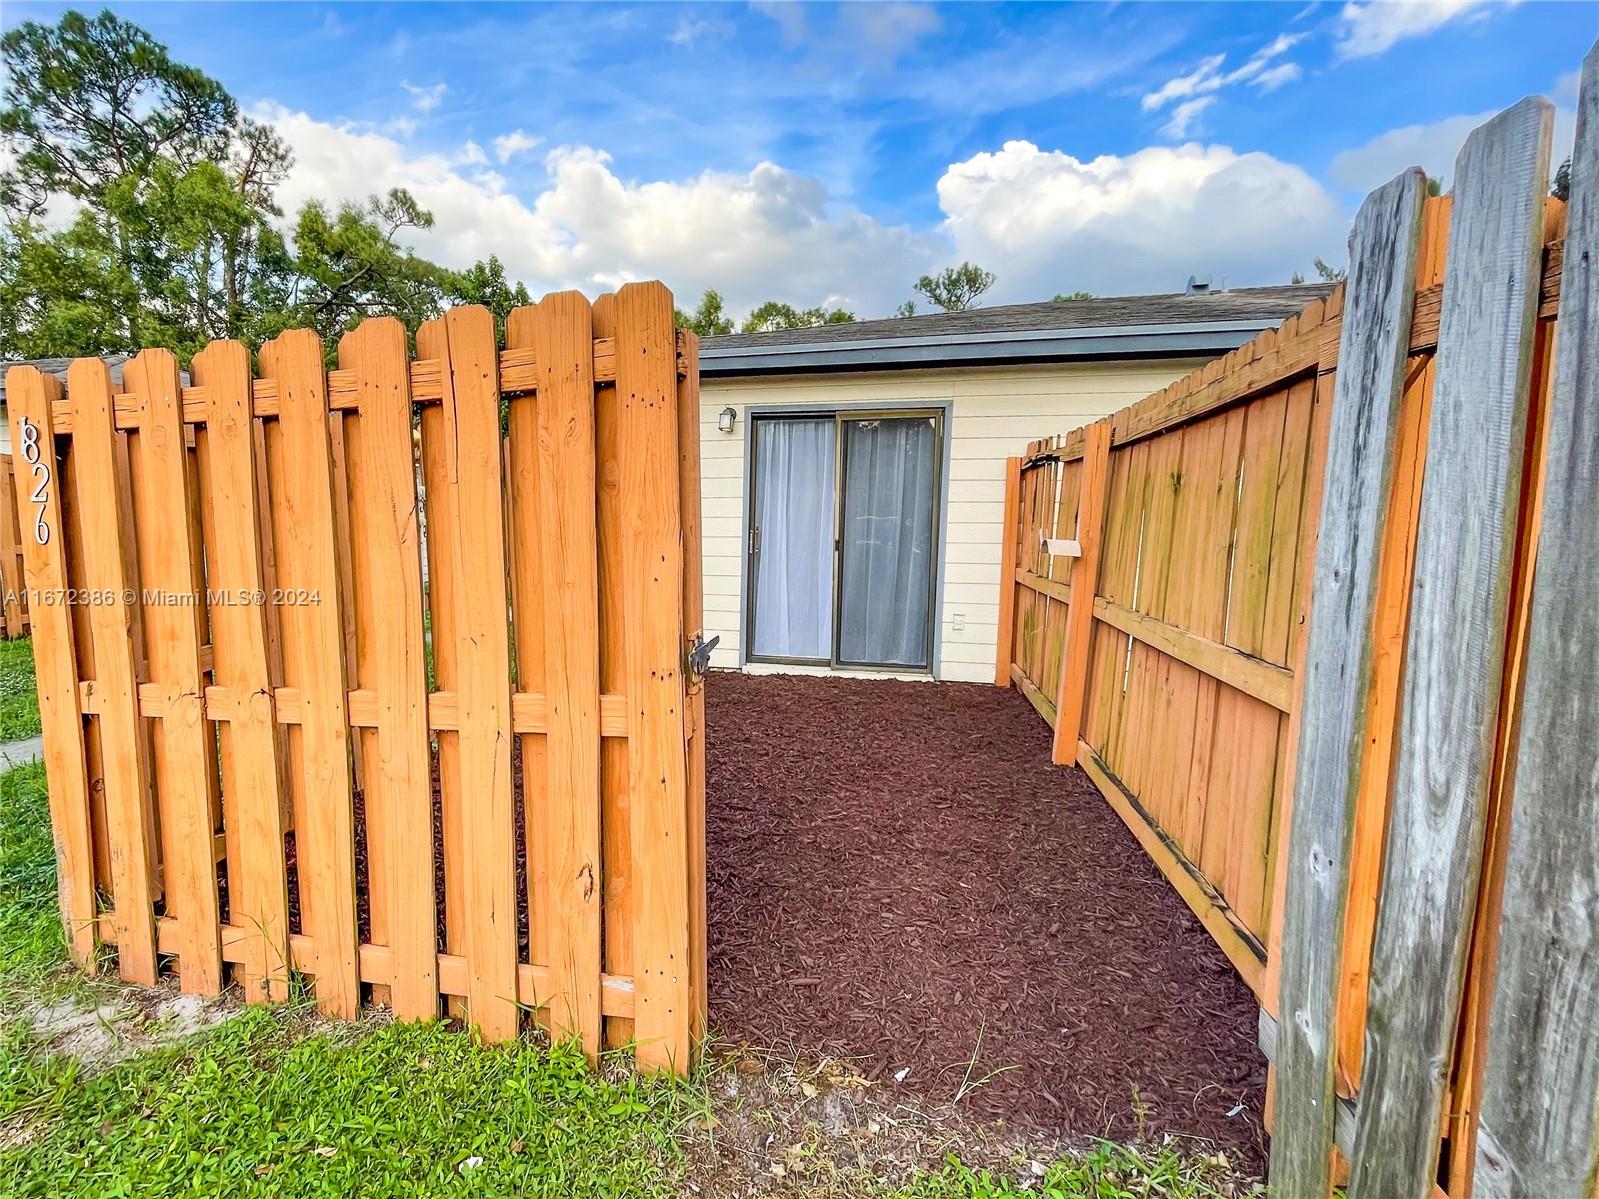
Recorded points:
725,419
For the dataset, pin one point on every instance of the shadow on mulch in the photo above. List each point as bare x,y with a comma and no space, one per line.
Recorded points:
898,874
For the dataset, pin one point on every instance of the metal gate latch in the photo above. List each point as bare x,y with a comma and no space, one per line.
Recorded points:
699,655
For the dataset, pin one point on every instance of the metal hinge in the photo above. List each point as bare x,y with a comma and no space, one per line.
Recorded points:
698,660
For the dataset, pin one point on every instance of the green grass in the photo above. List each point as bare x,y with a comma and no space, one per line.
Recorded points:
1108,1171
402,1110
271,1103
19,702
32,945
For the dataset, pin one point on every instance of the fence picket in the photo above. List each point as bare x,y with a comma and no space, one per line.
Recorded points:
562,329
1454,651
11,581
616,832
185,744
1540,1092
30,396
124,748
646,385
257,879
1332,735
398,785
442,531
464,343
313,631
525,524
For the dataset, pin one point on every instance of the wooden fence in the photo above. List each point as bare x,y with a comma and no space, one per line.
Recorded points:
378,675
1307,645
13,588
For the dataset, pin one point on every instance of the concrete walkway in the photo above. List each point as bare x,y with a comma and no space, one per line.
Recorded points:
20,753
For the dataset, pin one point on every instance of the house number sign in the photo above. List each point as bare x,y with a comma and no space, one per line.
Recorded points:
41,476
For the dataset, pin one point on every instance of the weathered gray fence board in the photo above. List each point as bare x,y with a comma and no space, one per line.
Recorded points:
1454,649
1378,300
1539,1129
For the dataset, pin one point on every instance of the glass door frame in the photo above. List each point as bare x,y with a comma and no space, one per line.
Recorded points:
938,413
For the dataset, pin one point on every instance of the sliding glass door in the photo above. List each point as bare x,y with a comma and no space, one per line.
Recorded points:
791,539
843,538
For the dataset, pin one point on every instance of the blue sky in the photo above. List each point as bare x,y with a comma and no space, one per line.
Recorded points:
832,152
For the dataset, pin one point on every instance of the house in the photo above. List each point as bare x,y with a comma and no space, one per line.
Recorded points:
50,366
854,475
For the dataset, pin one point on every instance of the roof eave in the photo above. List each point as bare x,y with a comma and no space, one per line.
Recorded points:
983,349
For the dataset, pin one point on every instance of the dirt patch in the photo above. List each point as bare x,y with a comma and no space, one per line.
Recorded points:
106,1025
898,875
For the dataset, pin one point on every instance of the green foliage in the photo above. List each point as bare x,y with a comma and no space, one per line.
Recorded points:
177,239
485,283
710,319
956,288
1328,273
1560,186
774,314
95,102
19,702
908,308
349,265
1075,295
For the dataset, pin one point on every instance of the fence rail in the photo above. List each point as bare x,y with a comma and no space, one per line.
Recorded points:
377,674
1161,568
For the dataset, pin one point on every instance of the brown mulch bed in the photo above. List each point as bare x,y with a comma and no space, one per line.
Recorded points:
897,872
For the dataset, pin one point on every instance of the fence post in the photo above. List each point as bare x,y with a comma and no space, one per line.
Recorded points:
1005,645
1085,581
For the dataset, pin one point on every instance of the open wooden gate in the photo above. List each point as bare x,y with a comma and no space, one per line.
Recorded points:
381,675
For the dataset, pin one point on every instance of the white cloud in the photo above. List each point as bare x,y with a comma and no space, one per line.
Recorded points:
401,126
1433,147
471,154
1205,77
886,31
1046,222
767,234
1371,27
691,30
1185,115
508,145
1196,91
425,99
1273,78
1043,221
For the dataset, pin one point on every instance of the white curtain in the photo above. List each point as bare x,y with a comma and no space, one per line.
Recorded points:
794,515
887,540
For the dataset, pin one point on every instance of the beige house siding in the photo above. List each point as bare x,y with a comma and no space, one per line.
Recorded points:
994,413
